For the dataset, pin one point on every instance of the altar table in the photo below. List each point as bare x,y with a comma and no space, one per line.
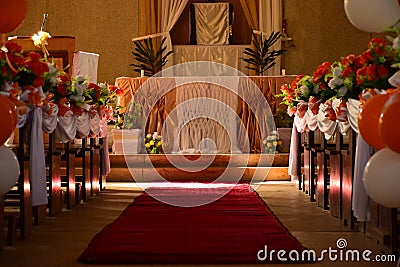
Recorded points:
190,134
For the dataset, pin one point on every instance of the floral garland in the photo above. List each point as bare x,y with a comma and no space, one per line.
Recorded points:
34,80
345,79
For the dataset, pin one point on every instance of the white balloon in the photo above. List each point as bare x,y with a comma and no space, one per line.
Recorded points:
382,178
9,169
372,15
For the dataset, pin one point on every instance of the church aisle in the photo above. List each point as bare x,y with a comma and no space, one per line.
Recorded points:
60,240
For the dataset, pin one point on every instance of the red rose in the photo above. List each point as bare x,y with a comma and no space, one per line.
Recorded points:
33,56
377,42
76,110
366,57
112,88
383,71
361,73
15,59
371,73
120,91
13,47
347,71
62,90
349,60
284,88
39,81
93,86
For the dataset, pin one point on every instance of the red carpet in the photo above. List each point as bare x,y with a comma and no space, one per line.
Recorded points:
230,230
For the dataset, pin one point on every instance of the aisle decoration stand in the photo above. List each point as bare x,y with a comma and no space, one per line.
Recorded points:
47,99
351,94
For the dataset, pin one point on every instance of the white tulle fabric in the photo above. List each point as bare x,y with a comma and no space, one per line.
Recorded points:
66,127
94,120
49,122
312,122
37,164
82,125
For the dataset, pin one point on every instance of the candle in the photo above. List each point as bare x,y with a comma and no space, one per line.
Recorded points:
283,72
142,73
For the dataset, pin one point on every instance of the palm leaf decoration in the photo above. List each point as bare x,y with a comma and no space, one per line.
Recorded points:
147,59
261,58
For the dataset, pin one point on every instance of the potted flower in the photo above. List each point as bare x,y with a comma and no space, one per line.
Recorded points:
153,143
273,144
128,130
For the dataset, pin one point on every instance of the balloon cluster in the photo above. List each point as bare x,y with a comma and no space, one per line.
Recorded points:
379,125
379,121
12,15
372,15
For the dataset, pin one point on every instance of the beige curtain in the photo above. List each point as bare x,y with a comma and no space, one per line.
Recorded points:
158,19
171,11
149,17
270,14
251,13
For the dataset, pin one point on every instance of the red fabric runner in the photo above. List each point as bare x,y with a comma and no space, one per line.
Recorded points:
232,229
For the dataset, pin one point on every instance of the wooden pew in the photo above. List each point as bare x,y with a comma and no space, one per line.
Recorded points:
348,160
322,187
2,236
53,162
335,175
102,160
19,197
82,163
68,179
94,167
309,165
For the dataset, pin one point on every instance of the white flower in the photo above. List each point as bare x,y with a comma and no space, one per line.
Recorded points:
53,81
316,89
342,91
80,78
335,82
86,107
304,89
77,98
52,69
155,135
337,72
265,141
148,136
80,88
396,43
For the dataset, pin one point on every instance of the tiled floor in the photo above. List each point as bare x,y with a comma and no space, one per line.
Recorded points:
60,240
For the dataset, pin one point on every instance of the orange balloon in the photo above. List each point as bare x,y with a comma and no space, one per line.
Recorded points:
12,14
13,108
389,123
8,119
368,120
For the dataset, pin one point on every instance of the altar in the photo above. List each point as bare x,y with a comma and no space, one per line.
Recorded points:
219,118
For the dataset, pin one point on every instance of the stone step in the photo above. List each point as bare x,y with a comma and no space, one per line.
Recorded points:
196,167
